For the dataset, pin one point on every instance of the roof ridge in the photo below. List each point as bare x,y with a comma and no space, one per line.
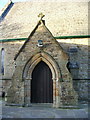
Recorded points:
5,6
5,10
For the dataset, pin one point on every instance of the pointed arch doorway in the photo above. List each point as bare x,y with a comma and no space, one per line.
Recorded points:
42,84
29,70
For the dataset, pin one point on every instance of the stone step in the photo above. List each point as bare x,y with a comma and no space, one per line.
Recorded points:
41,104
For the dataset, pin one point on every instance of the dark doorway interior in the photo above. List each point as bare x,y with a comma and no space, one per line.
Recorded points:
42,84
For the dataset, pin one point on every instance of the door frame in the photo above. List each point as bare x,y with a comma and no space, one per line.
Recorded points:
56,75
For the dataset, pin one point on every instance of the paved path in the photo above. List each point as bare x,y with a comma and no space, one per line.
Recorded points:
43,112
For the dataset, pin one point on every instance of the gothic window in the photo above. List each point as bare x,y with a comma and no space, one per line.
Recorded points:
2,61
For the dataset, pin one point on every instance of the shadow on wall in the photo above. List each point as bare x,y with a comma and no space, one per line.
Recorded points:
78,59
78,67
77,64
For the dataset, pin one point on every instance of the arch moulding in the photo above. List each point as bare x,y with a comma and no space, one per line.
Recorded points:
27,76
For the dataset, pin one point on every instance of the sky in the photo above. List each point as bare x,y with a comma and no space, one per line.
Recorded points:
3,2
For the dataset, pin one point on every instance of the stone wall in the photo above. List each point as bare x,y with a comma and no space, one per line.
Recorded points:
81,87
54,56
80,75
10,48
71,19
81,57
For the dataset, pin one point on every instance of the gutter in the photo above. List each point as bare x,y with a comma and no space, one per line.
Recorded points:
14,39
58,37
71,37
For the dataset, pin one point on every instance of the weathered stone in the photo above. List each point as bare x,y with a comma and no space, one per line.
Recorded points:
29,61
68,23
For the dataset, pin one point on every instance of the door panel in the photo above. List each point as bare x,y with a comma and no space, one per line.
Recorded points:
42,84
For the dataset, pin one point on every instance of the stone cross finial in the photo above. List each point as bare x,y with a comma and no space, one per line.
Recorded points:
41,15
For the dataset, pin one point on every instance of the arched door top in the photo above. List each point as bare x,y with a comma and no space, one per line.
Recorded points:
55,71
45,57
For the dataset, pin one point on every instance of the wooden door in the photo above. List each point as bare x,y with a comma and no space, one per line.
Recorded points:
41,84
